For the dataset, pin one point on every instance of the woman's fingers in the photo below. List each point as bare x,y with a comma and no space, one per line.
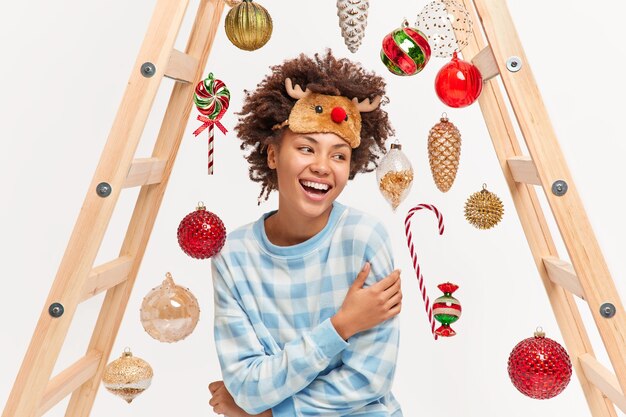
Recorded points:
388,281
395,299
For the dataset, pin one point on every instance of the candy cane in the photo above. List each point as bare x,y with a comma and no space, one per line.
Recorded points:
416,266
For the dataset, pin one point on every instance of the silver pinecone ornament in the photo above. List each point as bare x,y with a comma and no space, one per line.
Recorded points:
352,21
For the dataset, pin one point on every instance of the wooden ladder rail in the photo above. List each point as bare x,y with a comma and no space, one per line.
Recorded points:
33,392
592,280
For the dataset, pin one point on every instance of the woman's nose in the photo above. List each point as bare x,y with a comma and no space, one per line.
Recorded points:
320,166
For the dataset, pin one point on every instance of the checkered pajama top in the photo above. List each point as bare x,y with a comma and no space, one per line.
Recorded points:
276,345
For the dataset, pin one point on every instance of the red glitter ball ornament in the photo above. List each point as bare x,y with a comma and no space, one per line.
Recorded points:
201,234
458,83
539,367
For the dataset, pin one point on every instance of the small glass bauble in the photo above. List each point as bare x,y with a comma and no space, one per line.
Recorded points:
394,176
405,51
448,26
169,313
458,83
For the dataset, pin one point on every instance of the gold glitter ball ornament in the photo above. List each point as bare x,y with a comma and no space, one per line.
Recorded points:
248,25
169,313
484,209
444,153
128,376
394,176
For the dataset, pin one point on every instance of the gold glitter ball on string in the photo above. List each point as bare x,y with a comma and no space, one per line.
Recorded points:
128,376
444,153
484,209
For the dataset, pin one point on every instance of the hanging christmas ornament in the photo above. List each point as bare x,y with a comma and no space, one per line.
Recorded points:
394,175
458,83
248,25
169,313
128,376
352,21
484,209
201,234
444,152
539,367
405,51
448,26
212,99
447,308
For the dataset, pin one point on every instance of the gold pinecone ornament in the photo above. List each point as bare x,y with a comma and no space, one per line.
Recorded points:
444,153
484,209
352,21
248,25
128,376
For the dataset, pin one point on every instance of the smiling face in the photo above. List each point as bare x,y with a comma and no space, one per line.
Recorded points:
312,170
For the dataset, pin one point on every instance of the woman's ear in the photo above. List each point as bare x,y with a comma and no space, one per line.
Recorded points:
271,156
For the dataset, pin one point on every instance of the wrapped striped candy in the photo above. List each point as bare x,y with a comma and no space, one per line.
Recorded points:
446,309
405,51
212,99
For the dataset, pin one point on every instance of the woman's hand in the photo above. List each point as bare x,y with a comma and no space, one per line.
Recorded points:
364,308
223,403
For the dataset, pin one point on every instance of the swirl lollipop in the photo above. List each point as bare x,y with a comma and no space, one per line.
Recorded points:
212,99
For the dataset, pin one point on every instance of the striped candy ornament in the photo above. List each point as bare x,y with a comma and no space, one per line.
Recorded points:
212,99
416,265
446,309
405,51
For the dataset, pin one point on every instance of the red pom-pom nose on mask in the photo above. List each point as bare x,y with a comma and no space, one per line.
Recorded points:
338,114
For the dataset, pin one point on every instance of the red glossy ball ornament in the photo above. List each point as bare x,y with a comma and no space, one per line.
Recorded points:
338,114
539,367
201,234
458,83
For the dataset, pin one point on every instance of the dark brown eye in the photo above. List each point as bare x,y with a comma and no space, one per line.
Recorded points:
318,109
346,119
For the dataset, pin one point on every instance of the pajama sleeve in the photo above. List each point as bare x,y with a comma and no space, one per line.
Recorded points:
369,362
258,381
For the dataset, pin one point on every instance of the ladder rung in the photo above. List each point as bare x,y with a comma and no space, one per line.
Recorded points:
524,170
182,67
486,63
107,276
604,380
563,274
69,380
145,171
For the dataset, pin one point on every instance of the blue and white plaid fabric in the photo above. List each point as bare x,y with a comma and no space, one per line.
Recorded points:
276,345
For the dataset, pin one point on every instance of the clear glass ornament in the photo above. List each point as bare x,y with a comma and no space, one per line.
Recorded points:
448,26
169,313
394,175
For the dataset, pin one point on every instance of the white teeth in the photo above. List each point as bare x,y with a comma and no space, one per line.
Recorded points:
315,185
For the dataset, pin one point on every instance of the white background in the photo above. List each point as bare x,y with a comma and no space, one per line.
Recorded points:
64,69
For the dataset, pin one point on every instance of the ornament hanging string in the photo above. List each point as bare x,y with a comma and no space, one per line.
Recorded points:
416,266
212,99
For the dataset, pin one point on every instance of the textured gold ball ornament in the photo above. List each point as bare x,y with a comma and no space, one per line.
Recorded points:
248,25
169,313
484,209
128,376
444,153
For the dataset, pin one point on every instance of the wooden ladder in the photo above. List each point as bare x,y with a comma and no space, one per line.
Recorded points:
34,393
587,277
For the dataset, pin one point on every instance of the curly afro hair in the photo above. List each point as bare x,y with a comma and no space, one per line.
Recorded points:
270,105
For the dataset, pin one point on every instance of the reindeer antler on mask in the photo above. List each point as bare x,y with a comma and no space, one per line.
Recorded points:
321,113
